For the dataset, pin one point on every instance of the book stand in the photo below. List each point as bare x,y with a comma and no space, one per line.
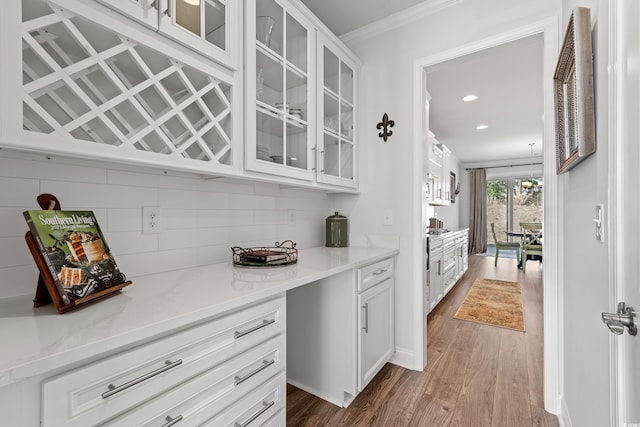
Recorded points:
46,290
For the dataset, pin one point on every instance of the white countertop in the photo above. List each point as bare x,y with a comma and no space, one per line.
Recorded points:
36,341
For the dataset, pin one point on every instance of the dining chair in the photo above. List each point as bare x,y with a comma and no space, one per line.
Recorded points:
512,246
531,241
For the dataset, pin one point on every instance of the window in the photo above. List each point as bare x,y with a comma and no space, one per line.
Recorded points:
511,201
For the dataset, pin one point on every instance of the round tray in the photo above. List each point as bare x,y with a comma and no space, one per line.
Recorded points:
284,253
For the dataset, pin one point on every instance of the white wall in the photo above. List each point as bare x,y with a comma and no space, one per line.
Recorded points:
586,263
389,169
201,220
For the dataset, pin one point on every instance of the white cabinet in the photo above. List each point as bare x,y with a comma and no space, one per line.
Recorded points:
210,27
93,86
301,98
462,252
337,360
449,275
376,319
438,171
337,115
280,84
448,261
436,271
193,375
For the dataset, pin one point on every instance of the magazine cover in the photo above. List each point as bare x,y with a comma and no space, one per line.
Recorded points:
75,251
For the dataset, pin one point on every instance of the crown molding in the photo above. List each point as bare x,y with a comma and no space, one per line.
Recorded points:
397,20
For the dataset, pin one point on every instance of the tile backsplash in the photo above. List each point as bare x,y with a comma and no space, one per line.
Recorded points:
201,218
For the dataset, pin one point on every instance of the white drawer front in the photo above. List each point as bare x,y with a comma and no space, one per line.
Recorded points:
211,392
254,409
102,390
375,273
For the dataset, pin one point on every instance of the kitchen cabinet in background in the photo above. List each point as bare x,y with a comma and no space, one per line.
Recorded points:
438,171
448,261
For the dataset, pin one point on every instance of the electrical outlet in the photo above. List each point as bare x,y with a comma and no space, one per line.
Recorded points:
387,217
291,217
151,219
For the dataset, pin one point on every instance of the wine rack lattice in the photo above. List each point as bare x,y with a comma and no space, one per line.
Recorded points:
89,83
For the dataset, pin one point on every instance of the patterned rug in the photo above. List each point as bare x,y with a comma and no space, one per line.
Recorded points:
493,302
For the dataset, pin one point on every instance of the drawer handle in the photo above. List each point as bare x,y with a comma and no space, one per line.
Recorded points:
114,390
264,324
171,421
379,272
366,318
265,364
265,408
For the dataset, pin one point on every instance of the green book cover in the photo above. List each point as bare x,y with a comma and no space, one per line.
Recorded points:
75,251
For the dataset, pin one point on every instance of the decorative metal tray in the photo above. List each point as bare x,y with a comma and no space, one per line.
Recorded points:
281,254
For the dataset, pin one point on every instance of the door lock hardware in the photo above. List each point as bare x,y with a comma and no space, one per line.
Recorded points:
623,318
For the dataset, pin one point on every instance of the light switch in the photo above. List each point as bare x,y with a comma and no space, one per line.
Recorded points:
599,221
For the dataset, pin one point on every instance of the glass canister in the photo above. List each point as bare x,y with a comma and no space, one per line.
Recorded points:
337,231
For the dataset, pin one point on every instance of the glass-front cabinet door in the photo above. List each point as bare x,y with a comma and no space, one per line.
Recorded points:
145,11
279,86
211,27
337,130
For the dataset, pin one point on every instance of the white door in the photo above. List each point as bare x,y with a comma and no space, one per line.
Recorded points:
625,221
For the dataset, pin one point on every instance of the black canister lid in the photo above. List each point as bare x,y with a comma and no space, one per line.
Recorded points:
337,217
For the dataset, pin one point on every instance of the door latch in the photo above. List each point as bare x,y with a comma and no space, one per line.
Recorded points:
623,318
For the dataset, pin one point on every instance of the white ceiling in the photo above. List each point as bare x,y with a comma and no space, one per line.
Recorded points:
507,79
344,16
508,82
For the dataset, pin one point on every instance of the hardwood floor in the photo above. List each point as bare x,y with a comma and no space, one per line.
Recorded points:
477,375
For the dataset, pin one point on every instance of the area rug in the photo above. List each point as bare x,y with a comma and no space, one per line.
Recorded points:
493,302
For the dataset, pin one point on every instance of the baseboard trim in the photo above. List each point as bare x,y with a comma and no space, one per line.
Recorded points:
403,357
563,417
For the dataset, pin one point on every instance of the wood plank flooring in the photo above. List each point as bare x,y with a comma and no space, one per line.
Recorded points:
477,375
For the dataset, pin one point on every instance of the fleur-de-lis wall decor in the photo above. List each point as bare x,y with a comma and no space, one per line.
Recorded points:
385,124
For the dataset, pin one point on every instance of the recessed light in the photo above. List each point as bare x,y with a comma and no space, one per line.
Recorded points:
481,127
469,98
192,2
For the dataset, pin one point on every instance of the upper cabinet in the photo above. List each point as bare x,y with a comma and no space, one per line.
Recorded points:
211,27
168,88
280,80
337,115
90,86
301,96
438,165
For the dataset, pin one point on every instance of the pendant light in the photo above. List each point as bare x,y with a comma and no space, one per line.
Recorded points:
527,185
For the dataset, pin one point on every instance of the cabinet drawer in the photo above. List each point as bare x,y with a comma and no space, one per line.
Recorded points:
107,388
375,273
207,395
256,408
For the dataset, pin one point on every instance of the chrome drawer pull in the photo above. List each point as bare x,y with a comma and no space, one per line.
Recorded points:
366,318
379,272
265,364
265,408
171,421
114,390
264,324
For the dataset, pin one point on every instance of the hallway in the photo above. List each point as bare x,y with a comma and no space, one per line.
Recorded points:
477,375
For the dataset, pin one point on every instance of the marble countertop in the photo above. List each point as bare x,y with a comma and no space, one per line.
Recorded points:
37,341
